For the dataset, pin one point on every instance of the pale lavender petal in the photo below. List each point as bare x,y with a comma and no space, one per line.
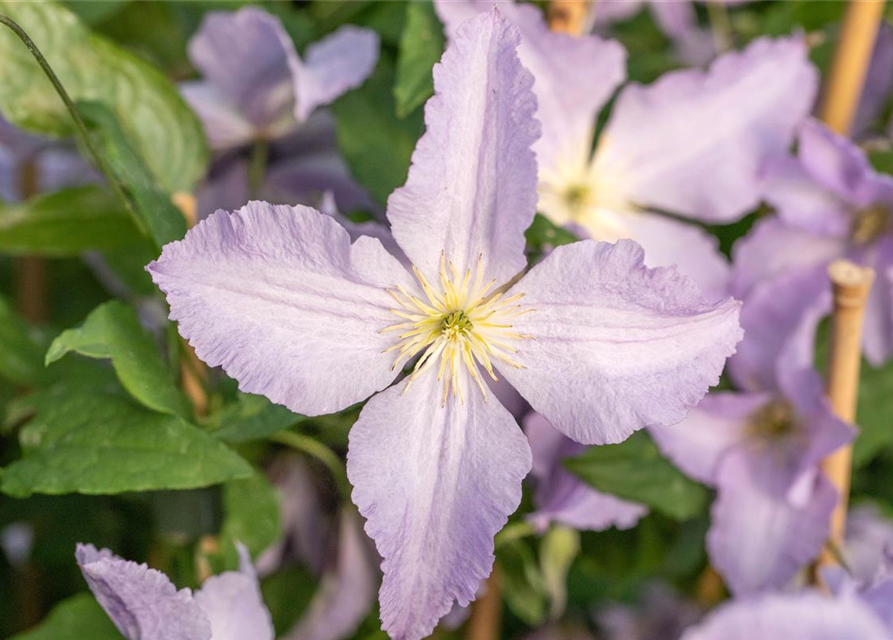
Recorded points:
616,346
693,142
869,535
877,336
347,590
772,316
435,484
718,424
509,398
801,201
224,125
758,540
246,56
676,19
878,84
773,248
670,242
800,616
471,189
607,11
561,496
280,298
226,188
234,605
334,65
142,602
574,76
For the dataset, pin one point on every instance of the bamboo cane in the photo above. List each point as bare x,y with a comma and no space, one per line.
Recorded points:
850,63
850,285
568,16
31,285
486,611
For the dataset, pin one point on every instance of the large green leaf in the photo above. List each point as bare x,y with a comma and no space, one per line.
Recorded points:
99,443
66,223
375,142
523,585
165,131
251,516
421,45
20,348
78,618
113,331
253,417
635,470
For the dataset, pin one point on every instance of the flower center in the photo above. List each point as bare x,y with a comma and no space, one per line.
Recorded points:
773,422
464,323
869,224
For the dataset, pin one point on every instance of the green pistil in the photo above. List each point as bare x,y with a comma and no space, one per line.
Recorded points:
455,323
869,224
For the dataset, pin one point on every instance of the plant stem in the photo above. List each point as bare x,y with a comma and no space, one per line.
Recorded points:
319,451
850,284
80,125
257,168
850,63
569,16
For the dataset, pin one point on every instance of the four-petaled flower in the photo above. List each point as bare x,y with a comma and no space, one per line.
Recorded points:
600,345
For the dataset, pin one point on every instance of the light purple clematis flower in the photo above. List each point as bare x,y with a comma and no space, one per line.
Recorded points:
592,339
869,542
145,605
560,496
675,146
761,449
257,89
660,614
830,204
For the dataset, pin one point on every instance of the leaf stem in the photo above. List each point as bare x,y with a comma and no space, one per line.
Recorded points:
257,167
79,123
319,451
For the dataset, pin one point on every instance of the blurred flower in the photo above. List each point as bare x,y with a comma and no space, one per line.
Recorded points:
691,144
282,299
562,497
659,615
144,605
761,448
830,204
869,541
877,87
258,90
17,542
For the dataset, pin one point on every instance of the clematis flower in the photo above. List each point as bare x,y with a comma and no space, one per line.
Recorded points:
877,87
869,542
660,614
144,605
257,89
592,339
762,447
690,144
830,204
562,497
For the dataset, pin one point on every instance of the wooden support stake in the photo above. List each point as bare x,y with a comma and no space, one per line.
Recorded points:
850,285
850,63
486,611
568,16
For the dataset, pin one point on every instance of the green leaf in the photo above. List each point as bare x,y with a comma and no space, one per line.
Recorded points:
66,223
166,133
558,549
251,516
375,142
873,413
253,417
635,470
78,618
522,583
543,234
155,213
98,443
112,330
20,350
421,45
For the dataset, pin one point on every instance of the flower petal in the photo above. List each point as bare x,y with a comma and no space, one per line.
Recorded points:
718,423
693,142
334,65
234,605
877,338
799,616
222,122
435,484
281,300
616,346
347,589
574,76
142,602
471,189
877,86
759,540
562,497
246,56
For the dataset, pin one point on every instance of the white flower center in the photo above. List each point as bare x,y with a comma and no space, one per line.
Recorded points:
462,324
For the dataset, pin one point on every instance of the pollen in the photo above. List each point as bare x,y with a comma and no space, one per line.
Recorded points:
462,324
